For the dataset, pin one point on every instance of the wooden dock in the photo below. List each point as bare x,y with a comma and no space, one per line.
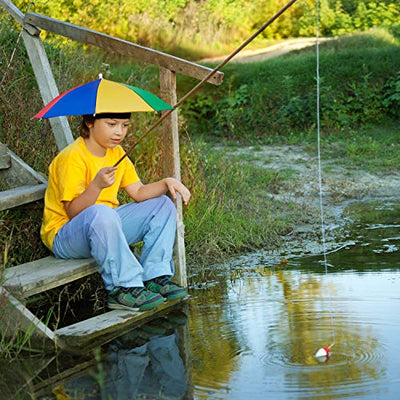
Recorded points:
26,280
20,184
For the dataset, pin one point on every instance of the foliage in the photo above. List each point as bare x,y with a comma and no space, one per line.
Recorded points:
190,27
278,96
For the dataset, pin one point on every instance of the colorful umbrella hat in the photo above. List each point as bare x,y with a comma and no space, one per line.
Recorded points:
102,96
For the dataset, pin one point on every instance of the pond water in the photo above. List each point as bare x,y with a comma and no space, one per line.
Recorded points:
252,331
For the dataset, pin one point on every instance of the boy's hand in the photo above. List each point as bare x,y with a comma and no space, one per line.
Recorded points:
105,177
175,186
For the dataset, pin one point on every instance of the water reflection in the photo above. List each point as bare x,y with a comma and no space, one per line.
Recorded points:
253,330
147,362
144,363
271,320
269,328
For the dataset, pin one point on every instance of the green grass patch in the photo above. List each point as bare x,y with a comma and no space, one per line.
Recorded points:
274,101
232,211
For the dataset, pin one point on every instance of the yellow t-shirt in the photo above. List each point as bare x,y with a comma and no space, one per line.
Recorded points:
70,173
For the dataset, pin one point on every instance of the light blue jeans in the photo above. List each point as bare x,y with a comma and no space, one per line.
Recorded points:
105,234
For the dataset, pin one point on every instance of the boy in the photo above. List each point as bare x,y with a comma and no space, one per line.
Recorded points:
82,216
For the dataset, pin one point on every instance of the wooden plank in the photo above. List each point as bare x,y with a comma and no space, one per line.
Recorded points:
21,195
47,86
5,161
17,161
103,328
16,317
19,174
171,161
18,16
47,273
123,47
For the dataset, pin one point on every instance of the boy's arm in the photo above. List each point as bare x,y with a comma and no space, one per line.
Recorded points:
140,192
104,178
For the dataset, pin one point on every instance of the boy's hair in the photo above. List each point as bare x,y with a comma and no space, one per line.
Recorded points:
89,119
84,129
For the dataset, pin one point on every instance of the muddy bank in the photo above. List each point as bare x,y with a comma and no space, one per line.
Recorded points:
341,185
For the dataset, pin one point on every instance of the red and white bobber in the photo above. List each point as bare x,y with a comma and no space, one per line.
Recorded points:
322,352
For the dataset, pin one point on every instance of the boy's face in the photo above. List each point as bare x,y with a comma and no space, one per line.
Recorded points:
106,133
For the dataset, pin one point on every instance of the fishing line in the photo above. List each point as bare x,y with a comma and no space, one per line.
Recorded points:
321,207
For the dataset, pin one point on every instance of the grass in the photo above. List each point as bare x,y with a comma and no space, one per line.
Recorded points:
232,211
274,101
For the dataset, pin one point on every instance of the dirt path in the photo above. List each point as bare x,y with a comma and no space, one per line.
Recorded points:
246,56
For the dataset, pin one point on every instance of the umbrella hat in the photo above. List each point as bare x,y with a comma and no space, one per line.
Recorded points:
102,96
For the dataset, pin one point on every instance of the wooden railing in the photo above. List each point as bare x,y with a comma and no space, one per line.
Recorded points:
169,65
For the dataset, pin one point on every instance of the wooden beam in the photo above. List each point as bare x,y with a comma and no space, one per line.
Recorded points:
21,195
17,318
100,329
19,17
171,162
20,165
123,47
47,86
5,159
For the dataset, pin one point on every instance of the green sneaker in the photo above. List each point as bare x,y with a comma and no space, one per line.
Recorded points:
165,287
137,298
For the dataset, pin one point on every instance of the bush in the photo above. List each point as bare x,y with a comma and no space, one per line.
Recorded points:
278,96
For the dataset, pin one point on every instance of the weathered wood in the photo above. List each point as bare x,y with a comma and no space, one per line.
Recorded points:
19,184
15,317
5,159
17,162
171,164
103,328
123,47
47,86
19,16
44,274
21,195
19,174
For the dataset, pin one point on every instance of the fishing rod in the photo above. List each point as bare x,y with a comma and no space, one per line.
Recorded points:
206,78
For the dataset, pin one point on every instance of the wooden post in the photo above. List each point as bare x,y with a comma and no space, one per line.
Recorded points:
47,86
171,160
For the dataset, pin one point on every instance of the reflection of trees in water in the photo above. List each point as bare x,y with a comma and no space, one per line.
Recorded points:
213,346
307,321
282,317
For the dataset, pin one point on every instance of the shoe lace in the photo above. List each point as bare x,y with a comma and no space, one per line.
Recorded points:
135,291
162,280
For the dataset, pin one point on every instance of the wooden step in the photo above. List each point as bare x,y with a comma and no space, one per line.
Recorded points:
5,158
21,195
105,327
38,276
5,161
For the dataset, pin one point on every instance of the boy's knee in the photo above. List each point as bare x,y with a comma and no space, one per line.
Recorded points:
103,216
167,204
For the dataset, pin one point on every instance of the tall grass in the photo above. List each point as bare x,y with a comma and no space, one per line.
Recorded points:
232,211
